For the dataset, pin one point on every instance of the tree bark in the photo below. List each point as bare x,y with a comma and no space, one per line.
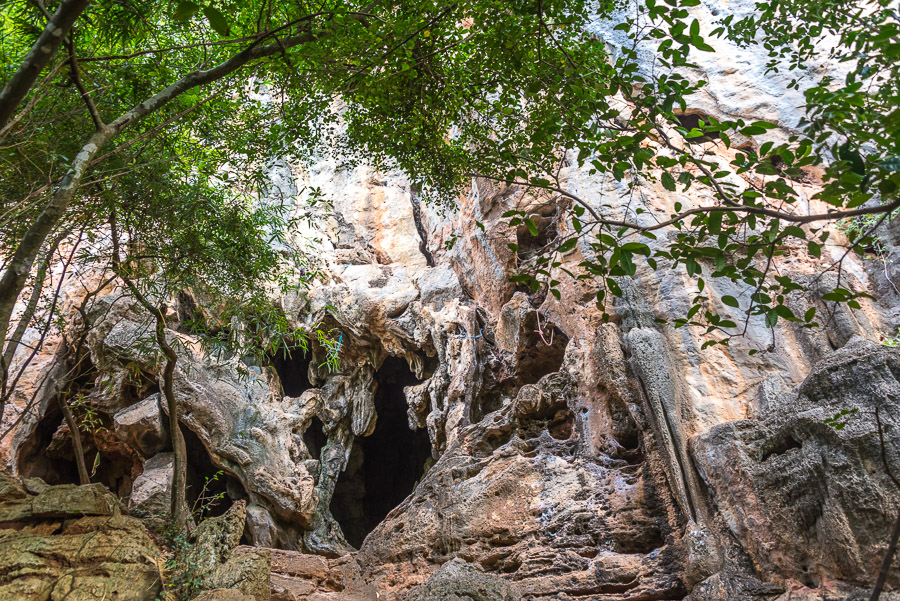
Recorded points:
43,50
178,503
886,562
30,309
77,447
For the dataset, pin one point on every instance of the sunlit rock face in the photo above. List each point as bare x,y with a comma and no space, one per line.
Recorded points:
510,433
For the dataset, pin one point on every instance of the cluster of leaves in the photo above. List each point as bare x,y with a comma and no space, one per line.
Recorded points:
850,133
447,91
86,414
837,421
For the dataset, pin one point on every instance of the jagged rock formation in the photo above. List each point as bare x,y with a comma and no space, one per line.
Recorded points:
70,542
480,432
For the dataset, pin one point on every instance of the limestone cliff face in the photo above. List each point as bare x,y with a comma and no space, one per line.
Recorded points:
476,426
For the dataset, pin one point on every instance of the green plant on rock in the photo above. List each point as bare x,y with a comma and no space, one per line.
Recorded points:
893,340
182,580
206,500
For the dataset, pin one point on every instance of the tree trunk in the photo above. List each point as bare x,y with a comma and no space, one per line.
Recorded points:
886,563
77,447
178,506
43,50
14,278
30,309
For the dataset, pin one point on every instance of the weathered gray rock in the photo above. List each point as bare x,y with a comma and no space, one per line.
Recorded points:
461,581
48,552
248,574
152,490
35,500
211,556
142,426
789,476
438,286
239,419
222,594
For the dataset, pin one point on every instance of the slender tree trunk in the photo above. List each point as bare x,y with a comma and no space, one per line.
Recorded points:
43,50
886,563
83,476
25,319
14,278
178,506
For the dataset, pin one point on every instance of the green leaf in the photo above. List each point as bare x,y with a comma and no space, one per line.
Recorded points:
793,230
668,182
692,266
532,227
784,312
216,20
185,10
568,245
613,287
714,223
730,301
890,164
637,247
627,263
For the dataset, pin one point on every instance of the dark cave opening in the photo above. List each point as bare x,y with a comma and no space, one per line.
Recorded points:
49,454
384,467
292,367
210,491
315,438
542,350
784,445
34,460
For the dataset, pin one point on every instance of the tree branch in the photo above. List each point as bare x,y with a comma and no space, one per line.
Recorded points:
830,216
13,279
85,95
41,52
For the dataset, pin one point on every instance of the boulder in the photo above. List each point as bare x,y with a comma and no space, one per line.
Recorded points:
142,426
33,500
211,559
811,469
458,580
70,542
151,492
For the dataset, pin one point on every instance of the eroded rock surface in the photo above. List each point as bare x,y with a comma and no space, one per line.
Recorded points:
71,543
789,476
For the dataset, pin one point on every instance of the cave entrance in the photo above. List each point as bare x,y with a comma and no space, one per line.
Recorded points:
292,367
384,467
210,490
